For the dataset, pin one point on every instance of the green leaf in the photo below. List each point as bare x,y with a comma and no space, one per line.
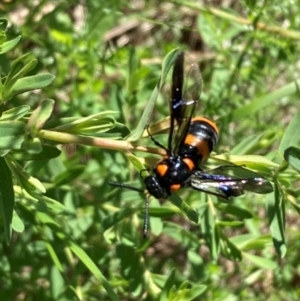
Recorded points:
189,294
69,175
292,156
261,262
163,211
276,215
210,232
234,210
15,113
290,138
246,145
247,242
136,162
133,67
32,146
7,198
30,83
184,207
145,119
17,223
230,223
40,115
228,249
12,134
264,101
52,204
3,23
48,152
167,287
9,45
19,68
255,162
88,262
54,256
28,182
186,238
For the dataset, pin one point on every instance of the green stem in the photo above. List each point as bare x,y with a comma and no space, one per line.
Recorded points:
222,14
97,142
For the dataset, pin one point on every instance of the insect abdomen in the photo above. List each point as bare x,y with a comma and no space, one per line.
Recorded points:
200,140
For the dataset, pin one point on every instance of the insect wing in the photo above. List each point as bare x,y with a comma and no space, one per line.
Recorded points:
252,180
184,96
228,186
224,188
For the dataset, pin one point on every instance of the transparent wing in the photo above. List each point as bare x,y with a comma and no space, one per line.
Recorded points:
185,93
225,186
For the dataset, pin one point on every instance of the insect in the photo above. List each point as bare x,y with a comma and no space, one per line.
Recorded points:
190,142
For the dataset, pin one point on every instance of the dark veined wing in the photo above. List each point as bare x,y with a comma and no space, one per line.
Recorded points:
255,183
225,186
185,93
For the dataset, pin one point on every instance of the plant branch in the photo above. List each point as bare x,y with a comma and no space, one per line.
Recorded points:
222,14
98,142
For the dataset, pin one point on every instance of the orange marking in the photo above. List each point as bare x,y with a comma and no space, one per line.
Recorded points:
210,122
189,163
161,169
202,145
175,187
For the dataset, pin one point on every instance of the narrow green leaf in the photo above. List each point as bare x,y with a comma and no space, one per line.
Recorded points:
230,223
32,146
261,262
145,119
136,162
276,214
290,138
264,101
88,262
12,134
48,152
244,241
228,249
15,113
7,198
40,115
210,232
9,45
164,296
247,144
69,175
19,68
52,204
28,182
133,66
255,162
292,156
3,23
30,83
17,223
234,210
184,207
189,294
54,256
163,212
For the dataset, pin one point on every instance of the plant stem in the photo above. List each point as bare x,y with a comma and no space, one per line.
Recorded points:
98,142
222,14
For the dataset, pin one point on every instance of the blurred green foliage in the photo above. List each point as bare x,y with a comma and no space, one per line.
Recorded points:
66,234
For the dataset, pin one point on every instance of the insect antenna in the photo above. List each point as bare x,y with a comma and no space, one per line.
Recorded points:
123,185
146,216
156,142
